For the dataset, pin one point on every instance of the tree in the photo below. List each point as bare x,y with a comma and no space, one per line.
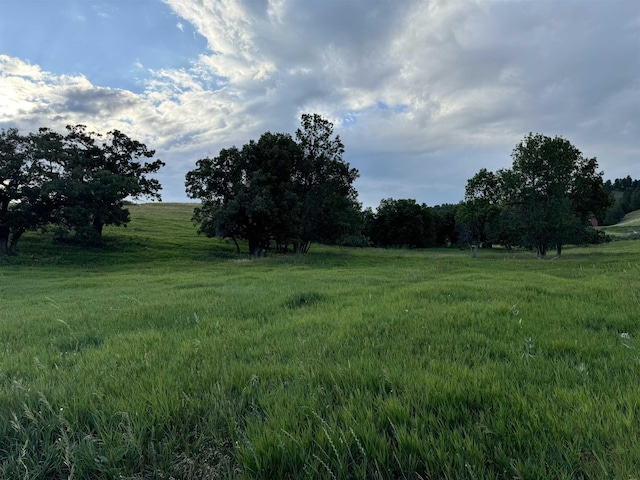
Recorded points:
97,177
218,183
554,189
403,223
328,204
277,189
14,175
248,193
270,200
545,199
481,207
614,214
26,202
447,232
505,229
624,194
75,181
634,202
587,192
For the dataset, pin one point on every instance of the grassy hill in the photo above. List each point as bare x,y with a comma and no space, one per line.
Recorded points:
631,219
165,355
628,227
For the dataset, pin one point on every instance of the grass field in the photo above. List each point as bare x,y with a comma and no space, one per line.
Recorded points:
165,355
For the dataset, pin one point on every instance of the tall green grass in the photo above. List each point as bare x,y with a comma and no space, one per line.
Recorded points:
166,355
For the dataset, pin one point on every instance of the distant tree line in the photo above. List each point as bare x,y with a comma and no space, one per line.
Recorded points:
545,200
286,192
291,192
401,223
625,197
76,183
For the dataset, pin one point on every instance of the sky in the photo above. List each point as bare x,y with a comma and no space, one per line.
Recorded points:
423,93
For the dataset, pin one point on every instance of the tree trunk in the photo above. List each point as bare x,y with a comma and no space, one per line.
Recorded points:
282,247
252,244
542,251
254,247
257,248
14,241
301,246
4,240
559,249
97,226
237,246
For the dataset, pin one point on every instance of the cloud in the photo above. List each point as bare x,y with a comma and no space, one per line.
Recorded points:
423,93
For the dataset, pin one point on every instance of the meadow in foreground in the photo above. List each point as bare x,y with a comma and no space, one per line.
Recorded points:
165,355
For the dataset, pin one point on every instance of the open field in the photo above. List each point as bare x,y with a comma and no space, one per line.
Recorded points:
165,355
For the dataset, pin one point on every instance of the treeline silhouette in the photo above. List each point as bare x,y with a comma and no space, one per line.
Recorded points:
625,198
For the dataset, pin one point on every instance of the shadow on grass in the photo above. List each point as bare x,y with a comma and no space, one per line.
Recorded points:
114,250
124,249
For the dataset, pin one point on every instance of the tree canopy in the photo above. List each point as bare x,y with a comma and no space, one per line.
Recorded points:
277,189
402,223
545,200
290,191
78,182
625,197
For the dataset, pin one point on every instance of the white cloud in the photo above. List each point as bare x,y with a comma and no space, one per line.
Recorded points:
424,93
15,67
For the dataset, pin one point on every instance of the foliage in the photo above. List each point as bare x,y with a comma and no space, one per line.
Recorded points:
625,198
324,181
482,206
278,190
143,360
97,177
76,182
545,200
404,222
447,232
25,203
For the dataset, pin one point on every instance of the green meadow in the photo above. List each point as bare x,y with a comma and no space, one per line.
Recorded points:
164,355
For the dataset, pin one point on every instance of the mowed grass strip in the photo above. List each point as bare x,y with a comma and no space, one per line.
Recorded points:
166,355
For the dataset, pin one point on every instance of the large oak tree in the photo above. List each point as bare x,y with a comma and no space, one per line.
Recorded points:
98,176
78,182
277,189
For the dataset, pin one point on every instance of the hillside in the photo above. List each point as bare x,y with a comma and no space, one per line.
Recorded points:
628,227
630,219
